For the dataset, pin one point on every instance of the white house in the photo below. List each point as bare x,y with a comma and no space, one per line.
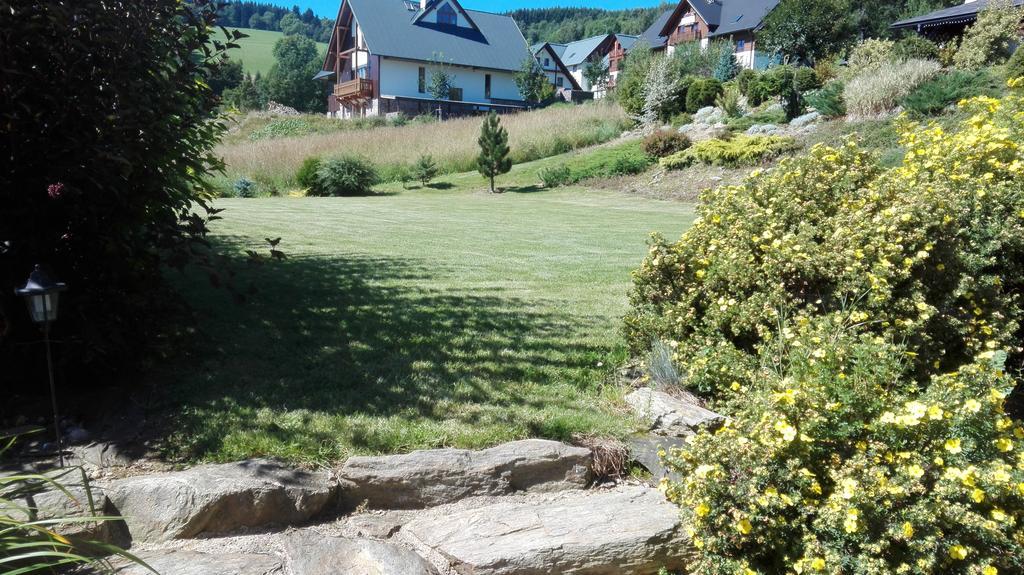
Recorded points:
383,54
548,56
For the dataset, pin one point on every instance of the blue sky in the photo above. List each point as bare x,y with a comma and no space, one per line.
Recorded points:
329,8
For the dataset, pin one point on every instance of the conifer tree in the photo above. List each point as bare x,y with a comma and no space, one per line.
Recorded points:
727,67
425,169
494,150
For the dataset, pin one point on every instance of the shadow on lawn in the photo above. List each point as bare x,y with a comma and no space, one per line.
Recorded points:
365,335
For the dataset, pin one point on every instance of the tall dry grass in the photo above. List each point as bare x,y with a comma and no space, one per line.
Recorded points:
453,144
877,91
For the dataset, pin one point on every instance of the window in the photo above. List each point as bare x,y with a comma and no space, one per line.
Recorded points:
423,80
447,16
741,45
363,72
455,95
487,86
560,81
547,62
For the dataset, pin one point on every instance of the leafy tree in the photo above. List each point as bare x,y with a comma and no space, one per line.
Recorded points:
425,169
493,160
532,82
247,95
659,90
727,67
807,29
105,181
292,25
290,81
629,88
595,71
988,40
228,75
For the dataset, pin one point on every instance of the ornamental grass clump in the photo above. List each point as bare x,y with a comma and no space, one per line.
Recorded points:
931,252
879,90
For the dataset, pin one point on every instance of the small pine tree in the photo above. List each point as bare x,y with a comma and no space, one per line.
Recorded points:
425,169
494,150
727,67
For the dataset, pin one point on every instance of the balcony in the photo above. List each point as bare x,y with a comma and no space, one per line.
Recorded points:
358,89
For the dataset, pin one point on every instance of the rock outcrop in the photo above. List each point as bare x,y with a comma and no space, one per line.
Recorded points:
669,415
438,476
310,553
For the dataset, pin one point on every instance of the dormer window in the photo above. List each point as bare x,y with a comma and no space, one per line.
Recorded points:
446,16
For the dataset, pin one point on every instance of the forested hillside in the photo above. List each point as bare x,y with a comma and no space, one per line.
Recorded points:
568,24
263,16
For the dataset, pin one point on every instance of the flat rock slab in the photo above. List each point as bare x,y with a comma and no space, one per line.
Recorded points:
218,499
197,563
644,450
670,415
621,532
310,553
440,476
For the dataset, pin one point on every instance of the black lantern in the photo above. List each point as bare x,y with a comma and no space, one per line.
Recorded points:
42,294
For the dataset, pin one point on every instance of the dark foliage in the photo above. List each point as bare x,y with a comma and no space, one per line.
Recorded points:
745,78
665,143
806,79
1015,66
828,101
345,176
306,176
945,90
296,61
493,160
915,46
702,92
108,122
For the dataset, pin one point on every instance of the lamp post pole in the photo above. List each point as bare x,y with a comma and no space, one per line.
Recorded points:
53,387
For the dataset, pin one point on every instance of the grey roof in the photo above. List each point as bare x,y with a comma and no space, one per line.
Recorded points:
627,41
739,15
653,35
577,52
324,75
956,15
390,29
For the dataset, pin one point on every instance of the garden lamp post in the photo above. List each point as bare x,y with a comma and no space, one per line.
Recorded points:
42,295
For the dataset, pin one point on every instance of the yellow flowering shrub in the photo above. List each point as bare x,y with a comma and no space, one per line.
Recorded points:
930,252
834,461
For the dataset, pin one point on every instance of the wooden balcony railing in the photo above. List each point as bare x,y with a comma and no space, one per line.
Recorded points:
358,89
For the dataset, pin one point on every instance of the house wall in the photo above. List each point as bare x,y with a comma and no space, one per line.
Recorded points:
552,70
689,29
745,54
401,78
432,15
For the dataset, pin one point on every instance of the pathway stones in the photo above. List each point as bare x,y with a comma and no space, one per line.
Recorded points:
197,563
310,553
626,531
439,476
671,416
219,498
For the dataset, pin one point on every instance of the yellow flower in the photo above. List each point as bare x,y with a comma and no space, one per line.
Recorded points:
978,495
935,412
818,564
849,487
850,523
953,446
990,570
958,552
998,514
915,471
972,405
908,530
1003,444
744,526
702,510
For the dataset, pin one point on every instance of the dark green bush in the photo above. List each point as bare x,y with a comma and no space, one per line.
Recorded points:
244,188
744,79
758,92
914,47
778,79
828,101
806,79
107,150
937,94
622,160
665,143
555,176
701,93
306,175
345,176
1015,66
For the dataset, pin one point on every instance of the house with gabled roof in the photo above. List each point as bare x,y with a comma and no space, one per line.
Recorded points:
735,21
623,44
575,56
383,53
549,57
947,23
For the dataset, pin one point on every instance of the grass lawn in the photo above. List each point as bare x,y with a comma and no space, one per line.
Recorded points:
442,316
256,53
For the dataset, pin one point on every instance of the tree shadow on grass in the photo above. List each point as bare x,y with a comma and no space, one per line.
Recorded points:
378,337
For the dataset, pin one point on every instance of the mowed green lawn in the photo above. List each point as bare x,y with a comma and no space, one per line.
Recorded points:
421,318
256,51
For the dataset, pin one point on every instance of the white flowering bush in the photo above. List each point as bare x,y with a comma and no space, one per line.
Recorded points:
834,461
930,253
